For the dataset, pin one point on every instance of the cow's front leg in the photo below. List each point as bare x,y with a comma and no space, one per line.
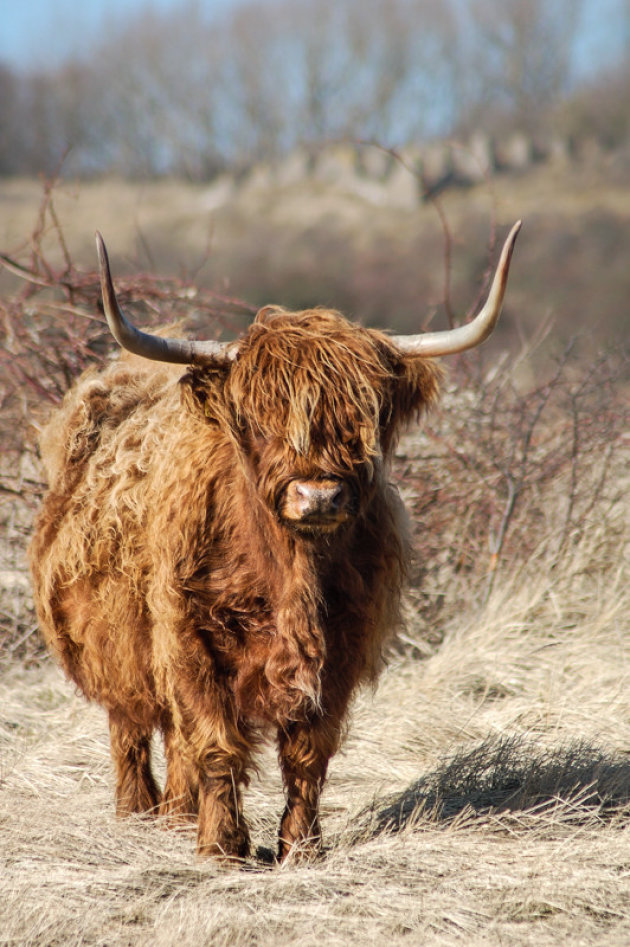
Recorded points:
304,751
222,829
219,752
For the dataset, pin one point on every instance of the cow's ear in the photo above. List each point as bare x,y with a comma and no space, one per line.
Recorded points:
414,389
418,385
203,391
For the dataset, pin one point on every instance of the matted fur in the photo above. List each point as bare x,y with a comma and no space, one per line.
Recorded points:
173,592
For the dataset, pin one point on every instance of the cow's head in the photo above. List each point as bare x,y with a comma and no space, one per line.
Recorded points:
312,402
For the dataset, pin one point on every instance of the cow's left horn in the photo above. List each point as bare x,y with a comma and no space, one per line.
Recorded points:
180,351
451,341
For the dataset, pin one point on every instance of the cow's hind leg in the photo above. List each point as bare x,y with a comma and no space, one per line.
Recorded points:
180,800
136,790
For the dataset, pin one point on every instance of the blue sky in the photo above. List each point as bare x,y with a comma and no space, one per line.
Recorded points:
41,33
44,32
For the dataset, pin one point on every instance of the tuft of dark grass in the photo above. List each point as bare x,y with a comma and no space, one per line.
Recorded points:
509,774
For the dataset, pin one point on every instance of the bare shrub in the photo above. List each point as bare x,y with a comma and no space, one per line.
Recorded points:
507,478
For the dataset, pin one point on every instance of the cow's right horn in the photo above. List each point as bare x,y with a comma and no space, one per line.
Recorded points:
180,351
451,341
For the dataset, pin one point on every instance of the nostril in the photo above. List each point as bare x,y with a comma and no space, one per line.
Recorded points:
337,496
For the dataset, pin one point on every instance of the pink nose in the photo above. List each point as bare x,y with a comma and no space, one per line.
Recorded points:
315,499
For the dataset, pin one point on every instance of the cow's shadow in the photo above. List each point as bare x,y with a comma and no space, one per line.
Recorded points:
579,781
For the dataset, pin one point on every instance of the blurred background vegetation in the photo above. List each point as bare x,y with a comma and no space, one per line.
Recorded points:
192,88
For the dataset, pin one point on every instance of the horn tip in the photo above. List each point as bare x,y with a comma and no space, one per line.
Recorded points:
101,249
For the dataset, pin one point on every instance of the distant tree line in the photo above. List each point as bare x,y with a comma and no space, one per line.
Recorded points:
179,92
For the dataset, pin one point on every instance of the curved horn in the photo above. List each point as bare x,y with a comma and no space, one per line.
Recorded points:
180,351
431,344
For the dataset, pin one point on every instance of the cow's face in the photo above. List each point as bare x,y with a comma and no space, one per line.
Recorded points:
314,404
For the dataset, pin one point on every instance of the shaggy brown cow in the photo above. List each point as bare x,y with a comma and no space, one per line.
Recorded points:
223,556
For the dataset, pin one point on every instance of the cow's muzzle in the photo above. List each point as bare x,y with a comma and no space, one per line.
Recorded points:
321,504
